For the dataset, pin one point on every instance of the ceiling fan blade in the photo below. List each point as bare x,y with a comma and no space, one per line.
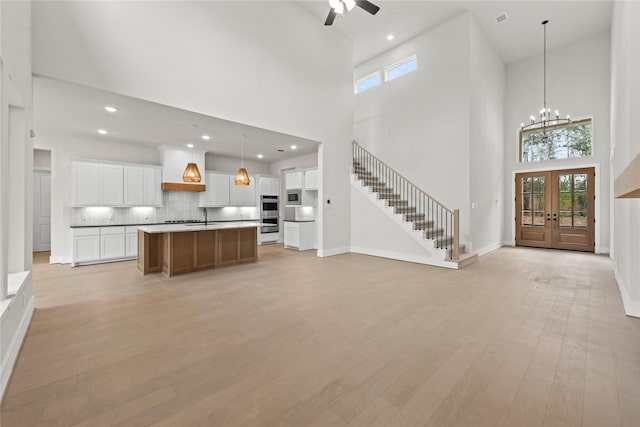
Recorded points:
368,6
330,17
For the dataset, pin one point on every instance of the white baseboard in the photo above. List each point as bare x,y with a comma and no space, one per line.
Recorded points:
404,257
15,345
601,250
631,307
509,243
488,249
331,252
60,260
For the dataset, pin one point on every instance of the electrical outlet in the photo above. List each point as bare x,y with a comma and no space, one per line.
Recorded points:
328,203
110,217
83,217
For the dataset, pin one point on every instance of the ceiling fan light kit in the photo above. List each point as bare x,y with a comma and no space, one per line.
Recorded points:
340,7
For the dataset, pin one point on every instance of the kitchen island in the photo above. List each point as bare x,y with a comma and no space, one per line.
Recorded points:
183,248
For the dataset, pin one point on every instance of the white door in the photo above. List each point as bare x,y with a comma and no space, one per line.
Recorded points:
41,211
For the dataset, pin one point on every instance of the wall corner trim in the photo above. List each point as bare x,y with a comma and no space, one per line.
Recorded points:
322,253
15,345
631,307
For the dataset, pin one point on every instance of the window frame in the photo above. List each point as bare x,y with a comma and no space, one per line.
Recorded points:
574,122
388,68
365,78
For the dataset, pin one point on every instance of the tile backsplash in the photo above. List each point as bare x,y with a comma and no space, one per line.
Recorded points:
177,205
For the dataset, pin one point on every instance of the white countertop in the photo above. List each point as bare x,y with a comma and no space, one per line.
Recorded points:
178,228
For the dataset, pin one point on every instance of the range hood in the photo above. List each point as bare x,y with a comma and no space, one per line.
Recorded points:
174,162
627,185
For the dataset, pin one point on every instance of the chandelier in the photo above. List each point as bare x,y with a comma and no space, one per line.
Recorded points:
546,122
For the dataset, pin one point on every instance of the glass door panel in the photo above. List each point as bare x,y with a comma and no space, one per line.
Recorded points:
555,209
532,224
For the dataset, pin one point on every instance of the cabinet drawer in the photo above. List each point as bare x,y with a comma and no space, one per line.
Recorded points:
89,231
105,231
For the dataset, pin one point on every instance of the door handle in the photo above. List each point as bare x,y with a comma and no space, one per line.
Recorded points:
548,217
554,217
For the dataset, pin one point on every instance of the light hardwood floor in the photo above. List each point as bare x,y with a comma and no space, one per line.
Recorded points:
524,337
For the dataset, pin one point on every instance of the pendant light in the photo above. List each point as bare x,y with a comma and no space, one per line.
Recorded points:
242,177
191,172
546,121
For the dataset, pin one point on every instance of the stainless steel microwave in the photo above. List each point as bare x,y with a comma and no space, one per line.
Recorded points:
294,197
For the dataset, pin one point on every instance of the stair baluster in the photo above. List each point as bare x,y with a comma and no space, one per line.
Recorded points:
436,221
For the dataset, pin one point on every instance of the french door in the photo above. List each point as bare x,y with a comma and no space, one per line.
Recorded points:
555,209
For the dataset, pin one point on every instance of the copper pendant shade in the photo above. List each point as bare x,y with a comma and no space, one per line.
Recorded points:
242,177
191,173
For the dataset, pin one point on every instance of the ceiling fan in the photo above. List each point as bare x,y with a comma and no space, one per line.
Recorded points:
340,7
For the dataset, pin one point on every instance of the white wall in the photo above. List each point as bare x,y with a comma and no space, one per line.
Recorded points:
441,126
486,142
270,65
577,84
41,159
300,162
419,123
16,180
214,162
625,141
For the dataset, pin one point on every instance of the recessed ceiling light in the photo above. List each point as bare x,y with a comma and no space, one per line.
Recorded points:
293,147
111,109
390,37
206,137
190,145
102,131
260,156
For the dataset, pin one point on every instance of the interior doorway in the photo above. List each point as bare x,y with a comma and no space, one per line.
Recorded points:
556,209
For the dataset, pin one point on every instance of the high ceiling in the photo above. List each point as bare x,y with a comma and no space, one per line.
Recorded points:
517,38
79,111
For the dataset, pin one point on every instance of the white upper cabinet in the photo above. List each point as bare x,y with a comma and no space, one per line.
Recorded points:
243,195
133,186
142,186
153,187
268,186
222,191
217,191
311,179
111,185
294,180
85,184
97,184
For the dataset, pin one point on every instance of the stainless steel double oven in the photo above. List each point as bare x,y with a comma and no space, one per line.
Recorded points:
269,219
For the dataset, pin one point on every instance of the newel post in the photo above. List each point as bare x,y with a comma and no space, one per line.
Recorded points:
456,235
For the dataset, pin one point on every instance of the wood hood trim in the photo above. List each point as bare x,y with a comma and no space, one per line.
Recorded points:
627,185
174,186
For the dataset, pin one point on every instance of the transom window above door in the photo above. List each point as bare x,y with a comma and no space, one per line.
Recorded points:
556,142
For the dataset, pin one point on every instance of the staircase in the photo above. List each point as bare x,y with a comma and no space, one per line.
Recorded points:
437,226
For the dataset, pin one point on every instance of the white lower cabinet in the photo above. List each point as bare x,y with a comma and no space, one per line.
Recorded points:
97,244
299,235
111,242
131,249
86,244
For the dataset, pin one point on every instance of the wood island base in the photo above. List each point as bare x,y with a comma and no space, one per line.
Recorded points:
180,252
